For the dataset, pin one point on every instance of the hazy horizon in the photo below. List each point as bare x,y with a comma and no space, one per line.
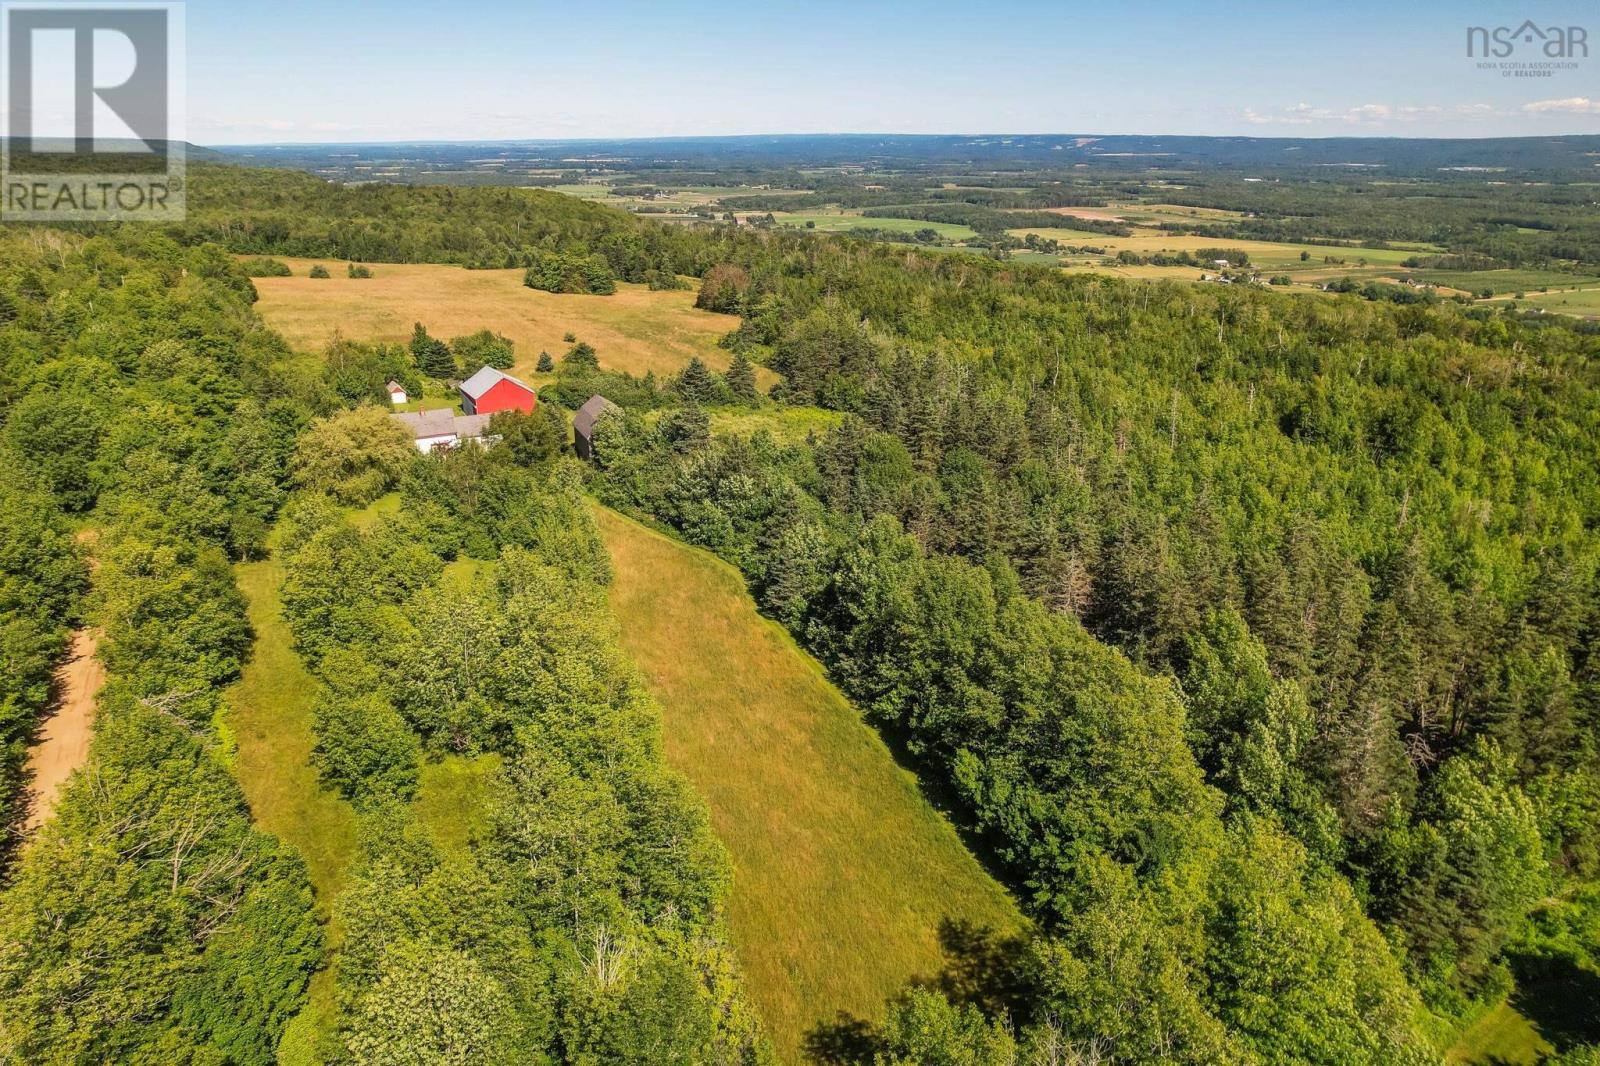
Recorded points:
763,135
328,72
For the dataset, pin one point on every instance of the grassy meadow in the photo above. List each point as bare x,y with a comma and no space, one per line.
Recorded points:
790,425
843,872
1267,254
1585,301
634,330
835,220
453,796
269,718
1505,282
1502,1037
269,715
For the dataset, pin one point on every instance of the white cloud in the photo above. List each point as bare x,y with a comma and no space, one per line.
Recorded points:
1369,115
1573,105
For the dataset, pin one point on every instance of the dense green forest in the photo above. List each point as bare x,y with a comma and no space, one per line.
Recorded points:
1254,634
553,236
579,921
1249,636
148,921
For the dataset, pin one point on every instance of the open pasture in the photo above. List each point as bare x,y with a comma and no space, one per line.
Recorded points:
1154,214
1264,254
634,330
845,877
1583,302
1507,282
834,220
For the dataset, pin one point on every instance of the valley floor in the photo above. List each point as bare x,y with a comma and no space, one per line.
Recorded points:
848,884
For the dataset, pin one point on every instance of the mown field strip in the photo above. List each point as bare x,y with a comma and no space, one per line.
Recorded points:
844,873
269,714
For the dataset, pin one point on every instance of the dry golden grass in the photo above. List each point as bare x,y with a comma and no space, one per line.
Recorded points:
843,872
635,330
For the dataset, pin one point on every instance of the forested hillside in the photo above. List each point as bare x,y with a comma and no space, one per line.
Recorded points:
289,213
1255,633
1249,637
577,916
148,921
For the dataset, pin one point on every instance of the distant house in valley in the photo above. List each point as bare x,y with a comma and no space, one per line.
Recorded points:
397,393
583,423
491,390
443,428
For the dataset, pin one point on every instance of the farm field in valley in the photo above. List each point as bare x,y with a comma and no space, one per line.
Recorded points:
634,330
842,221
1149,241
1585,301
1506,282
844,874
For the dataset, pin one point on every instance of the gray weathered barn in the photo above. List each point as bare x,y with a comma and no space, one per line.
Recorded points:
583,423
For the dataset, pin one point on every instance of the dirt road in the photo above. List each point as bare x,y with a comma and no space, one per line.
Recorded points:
63,742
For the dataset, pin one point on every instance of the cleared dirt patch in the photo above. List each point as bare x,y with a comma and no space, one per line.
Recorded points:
635,330
63,742
844,874
1097,214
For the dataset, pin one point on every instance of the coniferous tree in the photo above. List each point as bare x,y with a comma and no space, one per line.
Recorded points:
741,380
697,384
433,356
581,356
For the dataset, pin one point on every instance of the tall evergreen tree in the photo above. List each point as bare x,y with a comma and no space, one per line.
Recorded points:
696,384
741,380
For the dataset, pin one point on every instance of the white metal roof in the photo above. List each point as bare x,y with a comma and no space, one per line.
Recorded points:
485,379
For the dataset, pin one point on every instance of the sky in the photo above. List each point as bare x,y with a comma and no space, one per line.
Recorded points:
341,71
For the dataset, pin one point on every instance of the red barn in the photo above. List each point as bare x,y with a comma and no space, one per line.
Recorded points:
489,391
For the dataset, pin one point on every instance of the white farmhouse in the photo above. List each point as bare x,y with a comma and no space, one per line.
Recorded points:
443,428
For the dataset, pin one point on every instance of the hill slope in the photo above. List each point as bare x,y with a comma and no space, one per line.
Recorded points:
844,875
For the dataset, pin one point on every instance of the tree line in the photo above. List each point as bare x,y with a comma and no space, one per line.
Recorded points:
1257,547
581,919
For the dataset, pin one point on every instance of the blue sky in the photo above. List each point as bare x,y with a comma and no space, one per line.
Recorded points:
330,70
